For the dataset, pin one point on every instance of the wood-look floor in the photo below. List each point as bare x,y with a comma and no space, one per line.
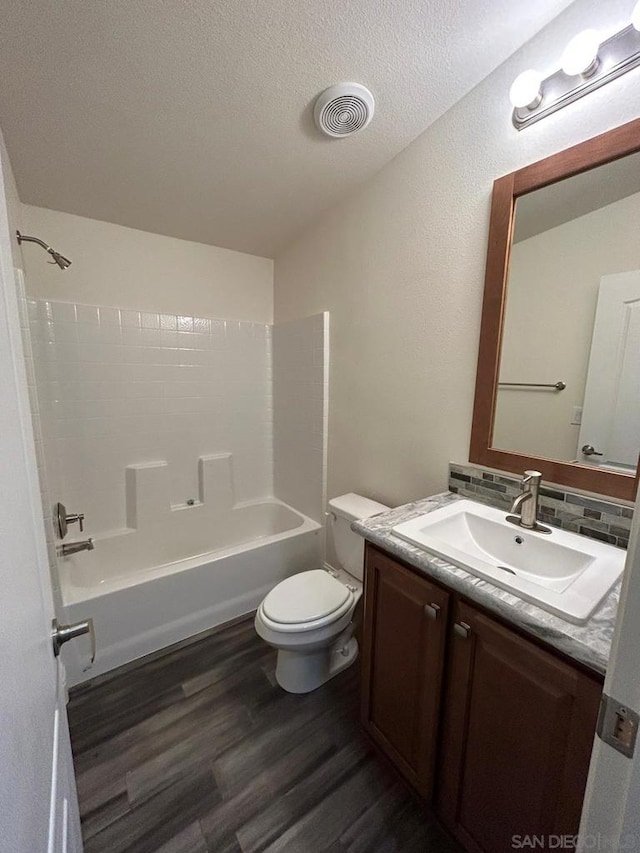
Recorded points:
199,750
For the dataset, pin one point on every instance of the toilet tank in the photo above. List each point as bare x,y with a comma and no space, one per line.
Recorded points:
349,546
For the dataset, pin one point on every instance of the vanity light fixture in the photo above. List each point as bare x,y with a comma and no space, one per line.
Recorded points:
581,54
587,63
525,90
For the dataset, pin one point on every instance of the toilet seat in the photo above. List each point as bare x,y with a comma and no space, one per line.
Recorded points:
306,601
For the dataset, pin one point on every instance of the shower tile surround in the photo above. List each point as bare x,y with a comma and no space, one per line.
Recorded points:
124,391
594,516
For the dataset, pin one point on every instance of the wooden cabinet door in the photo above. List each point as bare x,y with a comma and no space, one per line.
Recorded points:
403,652
518,730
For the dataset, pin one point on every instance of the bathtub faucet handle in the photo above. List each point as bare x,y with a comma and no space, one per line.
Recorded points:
63,519
76,516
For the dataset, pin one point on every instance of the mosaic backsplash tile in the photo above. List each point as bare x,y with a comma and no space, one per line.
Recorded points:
598,518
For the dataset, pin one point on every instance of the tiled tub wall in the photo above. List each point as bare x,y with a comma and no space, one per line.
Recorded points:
123,387
598,518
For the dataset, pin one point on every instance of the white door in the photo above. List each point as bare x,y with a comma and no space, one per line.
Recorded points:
611,814
610,431
38,804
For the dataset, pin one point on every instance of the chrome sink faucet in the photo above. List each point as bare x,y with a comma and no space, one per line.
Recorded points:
526,503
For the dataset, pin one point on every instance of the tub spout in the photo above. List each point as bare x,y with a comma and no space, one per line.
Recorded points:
68,548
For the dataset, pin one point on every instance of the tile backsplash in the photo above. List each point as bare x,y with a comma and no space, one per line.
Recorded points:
597,517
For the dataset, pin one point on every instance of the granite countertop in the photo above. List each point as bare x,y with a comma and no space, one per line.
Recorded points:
590,643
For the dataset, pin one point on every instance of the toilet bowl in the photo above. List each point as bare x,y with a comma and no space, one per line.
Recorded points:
308,617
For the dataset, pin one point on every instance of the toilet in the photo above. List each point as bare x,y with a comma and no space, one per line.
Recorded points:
308,617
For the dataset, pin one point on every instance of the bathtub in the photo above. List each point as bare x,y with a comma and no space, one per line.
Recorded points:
148,589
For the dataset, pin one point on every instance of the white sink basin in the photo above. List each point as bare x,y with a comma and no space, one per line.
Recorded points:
562,572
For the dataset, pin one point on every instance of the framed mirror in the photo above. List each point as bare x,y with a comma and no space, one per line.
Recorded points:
558,380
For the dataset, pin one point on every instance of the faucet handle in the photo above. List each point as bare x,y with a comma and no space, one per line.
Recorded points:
530,476
76,516
63,519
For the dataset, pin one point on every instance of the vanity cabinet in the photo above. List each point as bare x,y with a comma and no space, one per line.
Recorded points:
517,722
403,656
517,733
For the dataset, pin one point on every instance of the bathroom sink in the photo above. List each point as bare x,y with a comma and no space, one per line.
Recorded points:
562,572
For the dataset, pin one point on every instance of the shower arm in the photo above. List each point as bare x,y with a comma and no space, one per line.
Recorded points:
58,259
22,238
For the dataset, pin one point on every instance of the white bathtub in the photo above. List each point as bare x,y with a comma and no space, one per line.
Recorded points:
146,590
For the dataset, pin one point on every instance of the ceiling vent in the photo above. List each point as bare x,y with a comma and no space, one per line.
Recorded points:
343,109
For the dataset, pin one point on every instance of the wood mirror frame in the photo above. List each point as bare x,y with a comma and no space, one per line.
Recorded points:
614,144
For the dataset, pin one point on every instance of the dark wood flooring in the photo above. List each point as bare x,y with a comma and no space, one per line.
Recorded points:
197,749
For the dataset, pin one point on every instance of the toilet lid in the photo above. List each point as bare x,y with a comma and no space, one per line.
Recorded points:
305,597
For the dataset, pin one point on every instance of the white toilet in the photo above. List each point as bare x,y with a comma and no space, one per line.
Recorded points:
308,616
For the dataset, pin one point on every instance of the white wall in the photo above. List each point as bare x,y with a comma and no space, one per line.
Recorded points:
300,399
551,303
400,266
125,268
14,207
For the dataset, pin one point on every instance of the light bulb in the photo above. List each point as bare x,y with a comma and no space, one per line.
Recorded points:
525,90
635,17
581,54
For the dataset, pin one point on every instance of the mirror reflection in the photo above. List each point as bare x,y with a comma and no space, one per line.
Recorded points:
569,382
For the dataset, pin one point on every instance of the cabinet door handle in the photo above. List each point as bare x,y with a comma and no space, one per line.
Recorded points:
432,611
462,629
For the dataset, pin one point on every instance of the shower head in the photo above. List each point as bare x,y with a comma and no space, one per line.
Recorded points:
58,259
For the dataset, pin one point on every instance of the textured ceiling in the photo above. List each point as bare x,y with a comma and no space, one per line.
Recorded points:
193,118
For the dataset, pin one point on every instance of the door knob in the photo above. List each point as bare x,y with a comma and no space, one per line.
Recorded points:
61,634
589,450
